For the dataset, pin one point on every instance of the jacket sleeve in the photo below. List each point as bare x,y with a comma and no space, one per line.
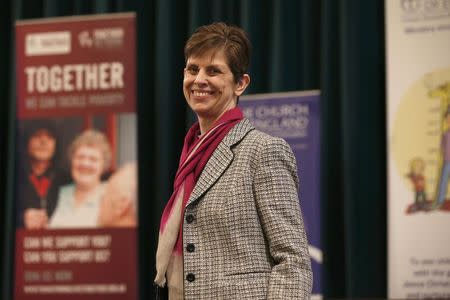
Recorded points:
276,196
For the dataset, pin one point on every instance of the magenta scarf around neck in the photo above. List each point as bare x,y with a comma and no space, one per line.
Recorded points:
194,156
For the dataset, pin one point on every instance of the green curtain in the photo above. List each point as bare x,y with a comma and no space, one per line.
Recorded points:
354,148
7,66
335,46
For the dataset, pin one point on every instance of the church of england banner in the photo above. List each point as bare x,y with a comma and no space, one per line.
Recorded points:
418,107
294,116
76,160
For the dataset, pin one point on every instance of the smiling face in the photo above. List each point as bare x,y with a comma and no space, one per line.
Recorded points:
87,166
209,86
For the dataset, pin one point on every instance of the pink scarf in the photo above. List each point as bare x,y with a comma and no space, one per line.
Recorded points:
194,156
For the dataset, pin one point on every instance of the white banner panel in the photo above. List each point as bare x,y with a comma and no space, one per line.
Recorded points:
418,106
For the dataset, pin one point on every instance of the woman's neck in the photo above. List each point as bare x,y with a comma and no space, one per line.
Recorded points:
206,123
39,167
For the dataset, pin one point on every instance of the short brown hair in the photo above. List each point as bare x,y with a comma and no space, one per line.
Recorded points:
220,36
93,138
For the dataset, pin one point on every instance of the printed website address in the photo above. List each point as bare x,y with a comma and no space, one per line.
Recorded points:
76,289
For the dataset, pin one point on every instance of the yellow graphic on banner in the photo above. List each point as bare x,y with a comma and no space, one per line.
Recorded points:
420,142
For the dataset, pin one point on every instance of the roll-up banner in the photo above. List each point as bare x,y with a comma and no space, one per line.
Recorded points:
418,106
295,117
76,177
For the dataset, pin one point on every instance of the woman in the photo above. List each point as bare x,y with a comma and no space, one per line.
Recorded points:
40,179
78,203
232,228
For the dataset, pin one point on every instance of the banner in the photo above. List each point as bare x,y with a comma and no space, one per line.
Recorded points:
295,117
418,99
76,174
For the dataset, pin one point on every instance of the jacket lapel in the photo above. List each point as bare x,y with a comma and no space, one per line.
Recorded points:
220,159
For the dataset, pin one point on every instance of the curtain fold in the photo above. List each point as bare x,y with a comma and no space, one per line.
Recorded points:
331,153
150,205
334,46
6,225
364,147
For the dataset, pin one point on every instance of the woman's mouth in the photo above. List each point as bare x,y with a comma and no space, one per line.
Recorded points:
201,93
85,171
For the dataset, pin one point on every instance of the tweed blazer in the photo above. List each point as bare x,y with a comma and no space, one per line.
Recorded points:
243,233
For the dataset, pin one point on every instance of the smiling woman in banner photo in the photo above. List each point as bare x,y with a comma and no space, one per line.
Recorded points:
78,203
232,228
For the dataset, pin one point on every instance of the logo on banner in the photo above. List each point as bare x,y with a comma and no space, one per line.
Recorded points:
99,38
410,5
287,120
48,43
424,10
85,39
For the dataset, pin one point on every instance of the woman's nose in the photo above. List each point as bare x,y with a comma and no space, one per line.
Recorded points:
201,77
83,162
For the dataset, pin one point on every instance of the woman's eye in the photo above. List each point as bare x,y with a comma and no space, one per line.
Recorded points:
214,71
192,70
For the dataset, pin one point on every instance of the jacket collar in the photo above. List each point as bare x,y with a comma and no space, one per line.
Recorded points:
220,159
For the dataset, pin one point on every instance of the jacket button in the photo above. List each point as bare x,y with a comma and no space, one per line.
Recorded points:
190,277
189,218
190,247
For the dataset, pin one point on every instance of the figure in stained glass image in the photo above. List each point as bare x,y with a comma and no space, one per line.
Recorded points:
445,170
438,85
416,175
